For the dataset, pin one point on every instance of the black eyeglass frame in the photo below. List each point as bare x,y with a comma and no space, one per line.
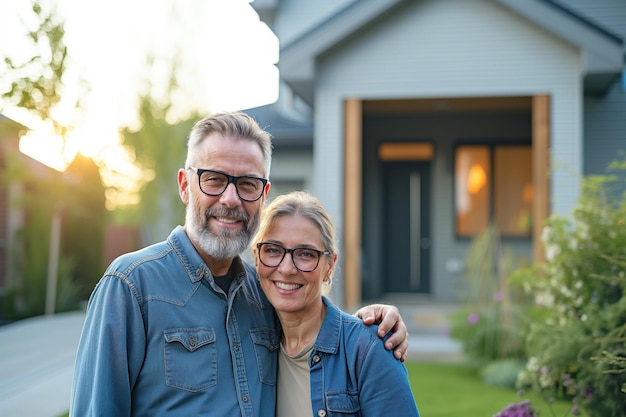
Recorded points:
230,179
291,251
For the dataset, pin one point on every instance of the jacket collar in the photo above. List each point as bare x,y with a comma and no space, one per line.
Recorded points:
330,332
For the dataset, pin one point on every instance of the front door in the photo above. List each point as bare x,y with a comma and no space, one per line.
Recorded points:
406,231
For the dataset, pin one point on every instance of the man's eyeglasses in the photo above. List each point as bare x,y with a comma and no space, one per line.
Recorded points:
214,183
304,259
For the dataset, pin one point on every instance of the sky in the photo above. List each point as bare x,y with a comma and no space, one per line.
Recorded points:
226,61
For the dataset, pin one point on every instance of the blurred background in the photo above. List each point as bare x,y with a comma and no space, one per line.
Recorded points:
97,100
471,153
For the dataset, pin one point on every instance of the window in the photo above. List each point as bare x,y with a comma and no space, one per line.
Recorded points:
493,184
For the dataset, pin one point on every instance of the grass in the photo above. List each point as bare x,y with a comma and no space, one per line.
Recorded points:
453,390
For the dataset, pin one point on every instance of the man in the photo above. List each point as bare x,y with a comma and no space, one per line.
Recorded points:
182,327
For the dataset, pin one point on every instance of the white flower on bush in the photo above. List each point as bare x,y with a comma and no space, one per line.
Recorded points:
578,302
544,298
545,377
533,364
565,291
552,250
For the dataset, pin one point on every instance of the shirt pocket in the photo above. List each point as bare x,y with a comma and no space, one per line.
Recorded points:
342,403
266,342
190,358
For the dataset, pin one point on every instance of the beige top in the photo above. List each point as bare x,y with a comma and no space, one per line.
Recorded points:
294,389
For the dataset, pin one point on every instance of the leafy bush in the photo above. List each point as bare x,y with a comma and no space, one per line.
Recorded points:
576,342
503,373
43,198
490,333
493,324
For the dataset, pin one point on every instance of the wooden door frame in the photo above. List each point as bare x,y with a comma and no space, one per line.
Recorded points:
352,197
353,181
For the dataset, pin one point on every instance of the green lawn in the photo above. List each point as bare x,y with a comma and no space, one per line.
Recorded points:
454,390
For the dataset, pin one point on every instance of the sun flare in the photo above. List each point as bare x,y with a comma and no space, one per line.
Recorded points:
115,70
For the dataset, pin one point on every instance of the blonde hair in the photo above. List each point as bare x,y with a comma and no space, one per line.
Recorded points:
299,203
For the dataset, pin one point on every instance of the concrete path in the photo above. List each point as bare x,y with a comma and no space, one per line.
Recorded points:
37,364
429,330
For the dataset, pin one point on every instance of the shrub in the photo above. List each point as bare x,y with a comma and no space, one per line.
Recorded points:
41,199
492,325
503,373
577,336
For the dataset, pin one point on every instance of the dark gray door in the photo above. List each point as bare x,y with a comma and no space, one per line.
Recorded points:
406,231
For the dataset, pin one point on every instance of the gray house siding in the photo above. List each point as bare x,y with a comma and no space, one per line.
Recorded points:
445,49
485,50
605,129
604,115
291,170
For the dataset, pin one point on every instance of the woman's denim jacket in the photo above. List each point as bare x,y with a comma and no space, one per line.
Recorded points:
161,338
352,374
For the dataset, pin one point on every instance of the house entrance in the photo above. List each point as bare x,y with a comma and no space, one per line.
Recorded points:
406,227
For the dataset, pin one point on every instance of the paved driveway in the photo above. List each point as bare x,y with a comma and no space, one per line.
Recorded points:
37,364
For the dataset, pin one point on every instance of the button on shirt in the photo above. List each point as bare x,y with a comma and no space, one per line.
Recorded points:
161,338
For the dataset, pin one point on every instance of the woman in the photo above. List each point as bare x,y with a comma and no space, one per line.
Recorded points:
330,364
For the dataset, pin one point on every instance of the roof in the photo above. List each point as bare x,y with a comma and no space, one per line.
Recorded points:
603,51
286,132
9,145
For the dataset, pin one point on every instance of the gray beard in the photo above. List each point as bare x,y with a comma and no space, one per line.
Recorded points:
226,245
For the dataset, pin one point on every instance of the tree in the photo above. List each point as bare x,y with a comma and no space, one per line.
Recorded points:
37,85
160,149
83,226
37,82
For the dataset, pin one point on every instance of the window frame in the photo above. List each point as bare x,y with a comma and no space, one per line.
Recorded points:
491,145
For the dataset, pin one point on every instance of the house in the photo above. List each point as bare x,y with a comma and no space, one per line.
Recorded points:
12,216
431,119
44,218
8,141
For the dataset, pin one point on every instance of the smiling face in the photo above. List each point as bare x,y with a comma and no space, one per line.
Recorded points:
290,290
221,227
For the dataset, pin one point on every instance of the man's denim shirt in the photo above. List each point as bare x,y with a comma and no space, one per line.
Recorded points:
161,338
352,374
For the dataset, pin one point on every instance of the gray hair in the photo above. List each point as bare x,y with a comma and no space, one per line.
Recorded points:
235,125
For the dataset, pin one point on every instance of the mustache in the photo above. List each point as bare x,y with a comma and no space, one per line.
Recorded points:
225,212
